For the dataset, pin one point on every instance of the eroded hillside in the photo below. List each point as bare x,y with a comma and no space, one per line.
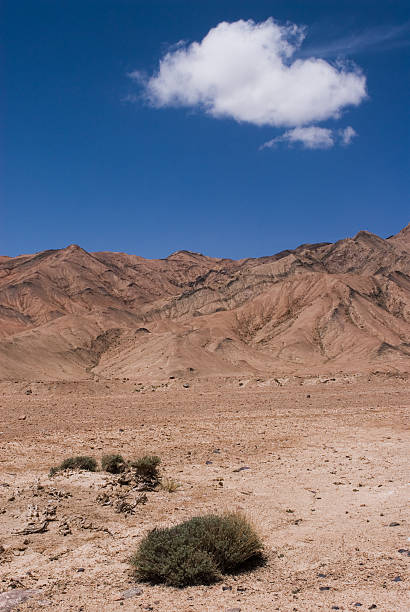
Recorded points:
70,314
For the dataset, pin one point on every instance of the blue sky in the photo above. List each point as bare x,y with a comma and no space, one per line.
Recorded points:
99,149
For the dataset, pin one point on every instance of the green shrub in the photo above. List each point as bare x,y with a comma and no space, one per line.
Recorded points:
146,470
197,551
75,463
114,464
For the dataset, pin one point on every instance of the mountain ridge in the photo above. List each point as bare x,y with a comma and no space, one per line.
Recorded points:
71,314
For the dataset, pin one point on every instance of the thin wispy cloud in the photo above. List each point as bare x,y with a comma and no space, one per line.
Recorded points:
371,39
249,72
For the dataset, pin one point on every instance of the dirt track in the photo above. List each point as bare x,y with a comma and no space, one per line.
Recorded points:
326,479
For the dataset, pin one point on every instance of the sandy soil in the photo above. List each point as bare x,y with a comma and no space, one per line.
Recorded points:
325,486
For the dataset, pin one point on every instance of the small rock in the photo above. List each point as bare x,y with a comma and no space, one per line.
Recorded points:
335,608
357,605
29,392
324,588
227,588
308,396
233,610
321,575
22,417
208,462
372,607
244,467
397,579
241,589
11,599
186,385
394,524
133,592
81,569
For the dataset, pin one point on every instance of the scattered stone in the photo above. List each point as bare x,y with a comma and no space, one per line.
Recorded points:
308,395
372,607
34,528
321,575
81,569
11,599
29,392
216,450
241,589
240,469
324,588
133,592
208,462
335,608
233,610
227,588
186,385
397,579
357,604
394,524
63,527
22,417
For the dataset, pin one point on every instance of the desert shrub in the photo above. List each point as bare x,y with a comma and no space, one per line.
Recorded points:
146,469
197,551
75,463
114,464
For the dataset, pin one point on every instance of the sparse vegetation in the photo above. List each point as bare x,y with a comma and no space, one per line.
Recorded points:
75,463
146,470
197,551
114,464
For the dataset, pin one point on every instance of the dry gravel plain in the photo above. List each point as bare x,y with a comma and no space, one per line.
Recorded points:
325,484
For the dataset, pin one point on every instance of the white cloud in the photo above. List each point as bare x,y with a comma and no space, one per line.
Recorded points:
312,137
347,135
245,71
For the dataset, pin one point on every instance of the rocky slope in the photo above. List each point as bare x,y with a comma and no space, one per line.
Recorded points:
69,314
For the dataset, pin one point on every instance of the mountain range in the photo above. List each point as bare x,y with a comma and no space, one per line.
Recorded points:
68,314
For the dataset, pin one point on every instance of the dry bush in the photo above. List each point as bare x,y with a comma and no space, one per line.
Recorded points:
146,470
197,551
114,464
75,463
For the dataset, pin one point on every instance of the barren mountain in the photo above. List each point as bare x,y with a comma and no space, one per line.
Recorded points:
321,308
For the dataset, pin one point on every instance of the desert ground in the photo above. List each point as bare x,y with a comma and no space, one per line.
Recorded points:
318,465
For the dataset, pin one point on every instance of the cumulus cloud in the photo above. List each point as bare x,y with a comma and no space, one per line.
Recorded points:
313,137
247,71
